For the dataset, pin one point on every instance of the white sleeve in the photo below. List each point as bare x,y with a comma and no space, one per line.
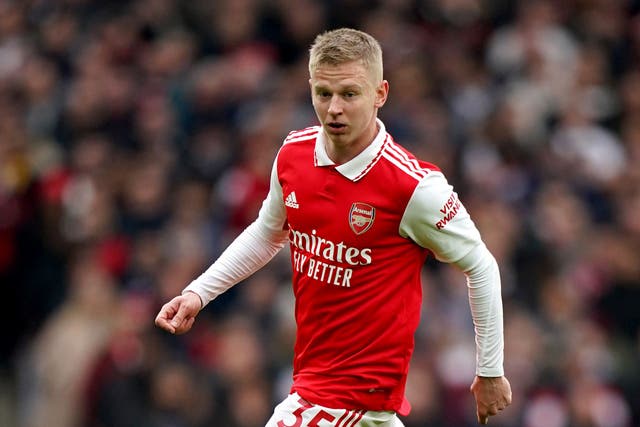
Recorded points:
483,283
436,219
250,251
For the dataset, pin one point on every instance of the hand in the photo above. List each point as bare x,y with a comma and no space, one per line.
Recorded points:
492,394
177,316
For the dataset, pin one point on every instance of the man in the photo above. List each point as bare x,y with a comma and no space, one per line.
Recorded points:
360,214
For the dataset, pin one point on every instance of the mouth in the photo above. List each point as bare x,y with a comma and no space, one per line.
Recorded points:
336,126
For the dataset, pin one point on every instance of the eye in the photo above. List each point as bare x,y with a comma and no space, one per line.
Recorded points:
324,94
350,94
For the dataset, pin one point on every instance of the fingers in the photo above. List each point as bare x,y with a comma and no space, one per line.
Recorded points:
178,315
186,326
492,394
485,413
182,321
483,416
164,316
181,318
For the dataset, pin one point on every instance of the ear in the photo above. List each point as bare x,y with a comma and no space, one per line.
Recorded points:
382,91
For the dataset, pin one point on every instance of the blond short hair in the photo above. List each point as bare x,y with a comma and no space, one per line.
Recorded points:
344,45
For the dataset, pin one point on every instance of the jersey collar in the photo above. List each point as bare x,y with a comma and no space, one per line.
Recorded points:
356,168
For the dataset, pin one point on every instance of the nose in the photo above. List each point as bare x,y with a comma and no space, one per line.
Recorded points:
335,105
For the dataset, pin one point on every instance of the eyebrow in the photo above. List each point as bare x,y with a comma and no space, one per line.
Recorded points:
347,88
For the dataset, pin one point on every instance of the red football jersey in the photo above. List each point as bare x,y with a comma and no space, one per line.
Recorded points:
356,278
359,234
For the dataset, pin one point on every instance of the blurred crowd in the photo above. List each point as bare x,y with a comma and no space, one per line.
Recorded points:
136,140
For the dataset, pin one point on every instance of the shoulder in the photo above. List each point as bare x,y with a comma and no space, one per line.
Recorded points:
302,135
406,163
298,147
299,142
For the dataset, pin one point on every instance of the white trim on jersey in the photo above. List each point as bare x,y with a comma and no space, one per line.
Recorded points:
408,165
393,149
357,167
373,162
303,135
403,167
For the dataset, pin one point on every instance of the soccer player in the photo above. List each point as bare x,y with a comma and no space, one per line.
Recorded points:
360,214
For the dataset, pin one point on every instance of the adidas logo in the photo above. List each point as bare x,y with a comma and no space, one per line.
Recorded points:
291,201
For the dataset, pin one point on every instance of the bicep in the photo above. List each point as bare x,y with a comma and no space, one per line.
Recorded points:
436,219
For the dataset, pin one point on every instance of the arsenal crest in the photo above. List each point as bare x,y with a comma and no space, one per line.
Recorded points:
361,217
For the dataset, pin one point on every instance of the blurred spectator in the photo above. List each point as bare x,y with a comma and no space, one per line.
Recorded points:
59,361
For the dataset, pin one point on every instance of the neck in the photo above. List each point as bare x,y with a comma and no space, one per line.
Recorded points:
342,153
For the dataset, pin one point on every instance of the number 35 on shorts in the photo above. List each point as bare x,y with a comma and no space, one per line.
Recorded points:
295,411
308,415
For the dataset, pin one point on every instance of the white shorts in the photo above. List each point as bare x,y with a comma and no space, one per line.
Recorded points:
297,412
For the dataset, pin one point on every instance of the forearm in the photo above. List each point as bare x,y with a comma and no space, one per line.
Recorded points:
249,252
485,301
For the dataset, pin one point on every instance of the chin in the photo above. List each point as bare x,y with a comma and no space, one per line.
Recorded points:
338,138
338,134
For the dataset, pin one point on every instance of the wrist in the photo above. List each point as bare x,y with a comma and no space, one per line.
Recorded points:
189,293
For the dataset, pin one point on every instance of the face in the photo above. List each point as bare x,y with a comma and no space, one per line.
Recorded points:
346,101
